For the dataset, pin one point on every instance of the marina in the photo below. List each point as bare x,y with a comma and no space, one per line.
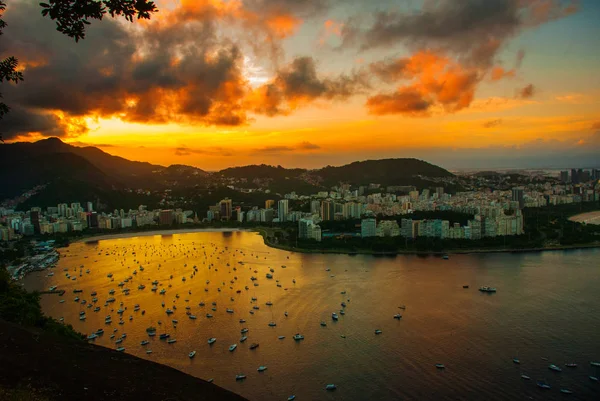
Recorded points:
468,332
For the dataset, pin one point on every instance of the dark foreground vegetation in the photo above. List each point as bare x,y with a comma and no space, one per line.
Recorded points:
42,360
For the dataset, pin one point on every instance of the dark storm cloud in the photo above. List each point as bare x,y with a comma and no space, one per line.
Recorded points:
474,29
299,83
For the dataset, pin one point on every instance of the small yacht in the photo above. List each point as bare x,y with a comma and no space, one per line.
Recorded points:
193,317
593,378
54,287
285,313
171,341
253,345
232,347
192,354
212,340
145,342
596,364
148,351
525,377
272,324
378,331
281,337
262,368
208,315
566,391
485,288
92,336
330,387
398,316
164,336
244,338
240,377
229,310
291,398
515,360
242,321
323,324
298,337
542,384
121,349
269,275
555,368
571,365
244,330
440,366
269,303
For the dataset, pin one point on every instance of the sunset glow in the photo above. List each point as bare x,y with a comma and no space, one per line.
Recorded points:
217,83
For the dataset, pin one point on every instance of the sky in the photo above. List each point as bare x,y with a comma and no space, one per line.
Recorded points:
309,83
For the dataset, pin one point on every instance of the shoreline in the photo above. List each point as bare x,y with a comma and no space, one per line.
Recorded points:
263,233
431,253
587,218
103,237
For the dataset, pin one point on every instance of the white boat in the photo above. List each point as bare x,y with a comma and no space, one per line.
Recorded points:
244,338
148,351
171,341
229,310
485,288
54,287
272,324
232,347
398,316
525,377
555,368
192,354
323,324
121,349
378,331
330,387
440,366
597,364
244,330
92,336
291,398
334,316
262,368
240,377
281,337
212,340
145,342
298,337
193,317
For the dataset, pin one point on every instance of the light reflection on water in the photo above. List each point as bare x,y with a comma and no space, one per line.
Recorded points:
546,307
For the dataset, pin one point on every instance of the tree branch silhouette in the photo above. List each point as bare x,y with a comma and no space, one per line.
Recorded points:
72,17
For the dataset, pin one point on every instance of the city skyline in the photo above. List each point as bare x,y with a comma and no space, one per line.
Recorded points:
336,82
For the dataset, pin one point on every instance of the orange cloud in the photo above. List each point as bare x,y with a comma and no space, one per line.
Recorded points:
499,73
435,80
283,25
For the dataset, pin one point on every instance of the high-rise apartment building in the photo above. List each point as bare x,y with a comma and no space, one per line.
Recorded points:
328,210
518,196
269,204
368,227
225,207
282,210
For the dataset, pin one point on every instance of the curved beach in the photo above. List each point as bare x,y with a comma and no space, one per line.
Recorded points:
587,218
157,232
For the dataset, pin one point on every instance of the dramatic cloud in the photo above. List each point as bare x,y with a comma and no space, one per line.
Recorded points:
177,68
526,92
472,28
434,79
299,84
454,45
492,123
